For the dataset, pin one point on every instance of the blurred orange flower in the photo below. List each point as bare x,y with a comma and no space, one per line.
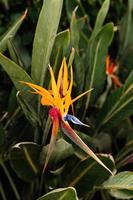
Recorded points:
111,69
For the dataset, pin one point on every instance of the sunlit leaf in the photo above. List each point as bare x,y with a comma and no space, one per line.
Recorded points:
100,17
44,38
60,194
122,194
122,180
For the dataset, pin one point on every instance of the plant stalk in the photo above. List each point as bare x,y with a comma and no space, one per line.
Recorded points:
10,180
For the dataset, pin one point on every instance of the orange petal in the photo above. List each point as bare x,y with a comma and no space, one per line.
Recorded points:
65,77
41,91
53,84
115,80
60,76
46,102
68,100
78,97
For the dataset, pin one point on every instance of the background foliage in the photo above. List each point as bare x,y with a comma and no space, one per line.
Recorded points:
85,32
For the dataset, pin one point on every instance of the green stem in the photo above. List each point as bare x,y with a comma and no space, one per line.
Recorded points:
42,180
10,180
2,192
36,135
18,109
81,6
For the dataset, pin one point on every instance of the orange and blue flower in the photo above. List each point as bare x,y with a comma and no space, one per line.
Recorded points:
59,99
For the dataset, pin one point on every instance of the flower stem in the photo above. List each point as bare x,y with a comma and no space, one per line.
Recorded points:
2,192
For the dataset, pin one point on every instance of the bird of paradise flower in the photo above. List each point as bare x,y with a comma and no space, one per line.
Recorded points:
59,98
111,69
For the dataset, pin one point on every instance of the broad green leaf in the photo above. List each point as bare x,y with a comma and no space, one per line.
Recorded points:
15,56
96,58
125,51
11,32
44,38
79,69
74,31
68,193
24,159
122,180
60,48
101,17
118,105
62,150
15,72
122,194
88,173
126,29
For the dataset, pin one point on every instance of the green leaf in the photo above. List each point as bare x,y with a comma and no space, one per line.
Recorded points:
122,180
24,159
71,5
125,155
11,32
62,150
118,105
15,72
44,38
68,193
126,29
75,38
88,173
74,31
122,194
96,58
125,51
28,110
60,48
100,17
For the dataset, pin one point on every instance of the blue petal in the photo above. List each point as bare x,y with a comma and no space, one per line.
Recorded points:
74,120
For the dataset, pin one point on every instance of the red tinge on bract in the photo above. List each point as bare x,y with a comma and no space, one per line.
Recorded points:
59,98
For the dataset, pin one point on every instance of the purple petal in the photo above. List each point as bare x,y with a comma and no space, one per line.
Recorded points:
74,120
